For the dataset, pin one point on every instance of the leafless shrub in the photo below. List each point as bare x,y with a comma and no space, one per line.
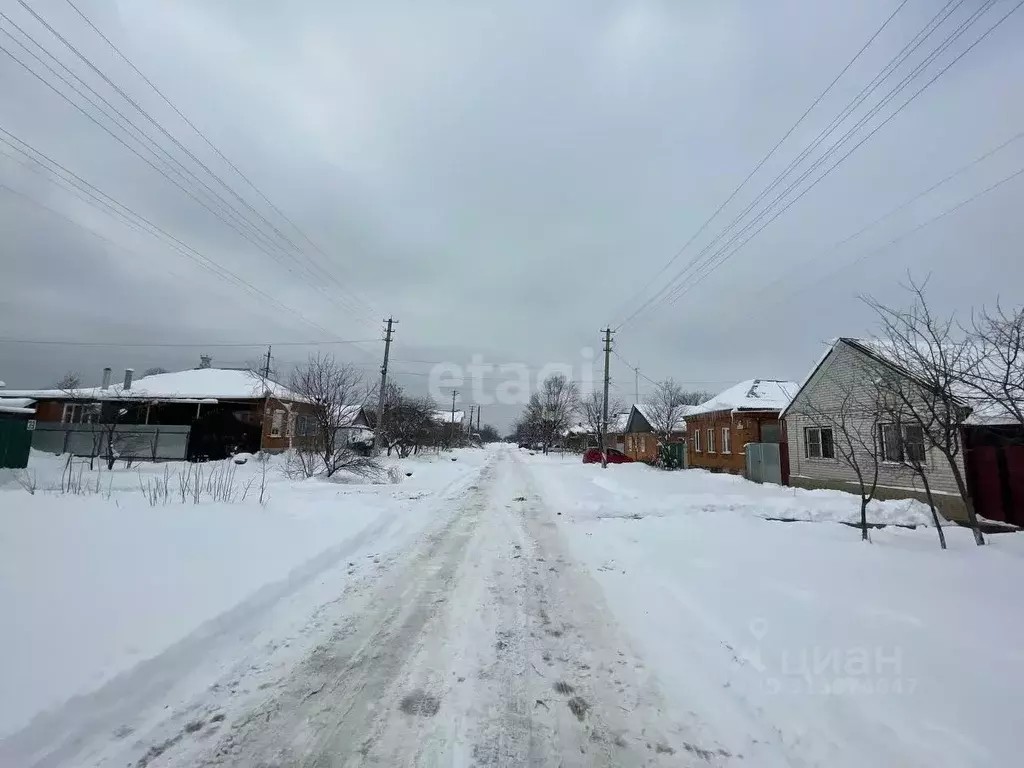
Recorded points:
27,480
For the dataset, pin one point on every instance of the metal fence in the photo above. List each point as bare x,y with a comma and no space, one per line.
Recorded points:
15,439
140,442
764,462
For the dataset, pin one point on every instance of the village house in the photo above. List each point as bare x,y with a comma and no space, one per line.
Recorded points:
720,429
204,413
642,439
991,458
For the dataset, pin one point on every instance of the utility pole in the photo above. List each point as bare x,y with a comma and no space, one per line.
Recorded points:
266,370
478,418
388,334
455,393
636,372
604,406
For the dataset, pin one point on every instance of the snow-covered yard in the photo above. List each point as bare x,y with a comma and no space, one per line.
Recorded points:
889,653
92,583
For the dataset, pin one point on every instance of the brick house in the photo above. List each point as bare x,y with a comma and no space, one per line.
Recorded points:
215,411
719,429
641,439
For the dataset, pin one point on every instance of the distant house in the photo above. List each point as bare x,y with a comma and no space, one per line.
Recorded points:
719,429
641,437
195,414
991,459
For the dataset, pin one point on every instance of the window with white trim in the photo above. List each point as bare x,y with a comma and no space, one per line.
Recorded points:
79,413
276,423
711,440
726,440
819,443
696,441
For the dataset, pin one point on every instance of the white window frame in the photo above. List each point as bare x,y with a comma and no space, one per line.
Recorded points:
276,422
726,440
696,441
711,439
79,413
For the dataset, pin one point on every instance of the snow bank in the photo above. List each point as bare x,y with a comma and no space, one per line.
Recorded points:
800,644
628,490
93,584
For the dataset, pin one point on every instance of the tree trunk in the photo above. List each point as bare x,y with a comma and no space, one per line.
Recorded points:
864,518
972,516
931,504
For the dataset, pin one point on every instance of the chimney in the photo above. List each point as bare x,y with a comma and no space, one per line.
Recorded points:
106,379
128,372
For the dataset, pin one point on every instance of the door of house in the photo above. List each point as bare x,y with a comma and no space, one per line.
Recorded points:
15,443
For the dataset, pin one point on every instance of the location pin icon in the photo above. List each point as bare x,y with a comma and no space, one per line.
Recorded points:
759,628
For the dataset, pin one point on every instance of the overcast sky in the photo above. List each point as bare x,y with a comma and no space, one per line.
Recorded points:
503,178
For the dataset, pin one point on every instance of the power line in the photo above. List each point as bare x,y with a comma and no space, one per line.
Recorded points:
182,344
763,160
872,252
723,255
111,206
209,143
707,263
238,222
674,289
891,212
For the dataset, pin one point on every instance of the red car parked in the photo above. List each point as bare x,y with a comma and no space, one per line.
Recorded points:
593,456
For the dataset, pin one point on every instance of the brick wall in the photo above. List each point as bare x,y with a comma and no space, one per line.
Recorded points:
743,428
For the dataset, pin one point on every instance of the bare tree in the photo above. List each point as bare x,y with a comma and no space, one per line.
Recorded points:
666,405
591,412
925,387
154,371
329,390
69,381
550,410
844,428
996,373
409,422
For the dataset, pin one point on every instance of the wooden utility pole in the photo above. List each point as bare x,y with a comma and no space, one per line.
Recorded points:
266,370
604,405
478,418
388,334
455,393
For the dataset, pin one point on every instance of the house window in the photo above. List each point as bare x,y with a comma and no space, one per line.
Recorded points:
696,441
643,443
711,440
276,423
819,443
79,413
305,426
913,443
726,440
902,445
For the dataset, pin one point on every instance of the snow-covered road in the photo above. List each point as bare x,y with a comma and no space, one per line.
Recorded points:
522,612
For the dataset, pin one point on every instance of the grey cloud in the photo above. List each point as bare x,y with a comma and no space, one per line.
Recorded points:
504,177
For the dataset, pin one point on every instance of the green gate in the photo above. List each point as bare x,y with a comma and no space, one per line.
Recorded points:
15,442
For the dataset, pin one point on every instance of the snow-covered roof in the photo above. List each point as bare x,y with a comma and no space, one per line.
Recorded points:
23,405
680,421
196,384
447,417
750,395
